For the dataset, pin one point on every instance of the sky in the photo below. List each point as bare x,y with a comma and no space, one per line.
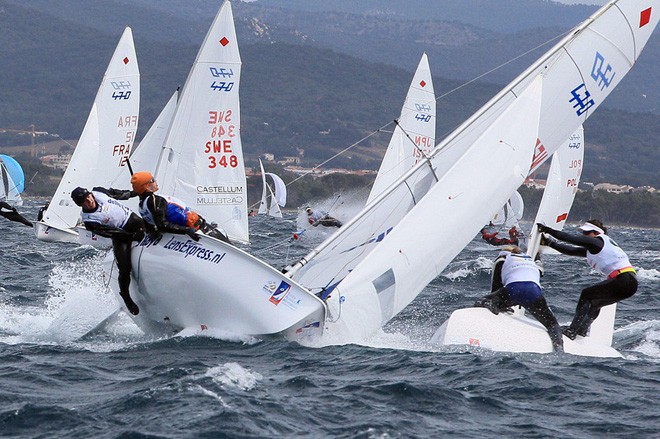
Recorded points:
585,2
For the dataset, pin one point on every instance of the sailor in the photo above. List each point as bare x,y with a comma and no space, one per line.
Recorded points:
604,255
492,239
162,214
516,281
105,216
316,217
12,214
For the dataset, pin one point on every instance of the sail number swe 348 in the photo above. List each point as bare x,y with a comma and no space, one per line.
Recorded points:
219,147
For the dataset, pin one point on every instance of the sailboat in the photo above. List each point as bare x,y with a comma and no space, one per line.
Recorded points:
414,134
516,332
378,262
209,282
277,198
104,145
12,181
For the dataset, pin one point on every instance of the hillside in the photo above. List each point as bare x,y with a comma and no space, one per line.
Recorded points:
292,96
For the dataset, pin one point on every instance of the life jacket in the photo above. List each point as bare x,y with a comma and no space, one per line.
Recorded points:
177,213
520,268
109,212
610,258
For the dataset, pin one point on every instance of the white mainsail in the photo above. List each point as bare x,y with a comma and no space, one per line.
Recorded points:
414,135
577,75
105,143
202,160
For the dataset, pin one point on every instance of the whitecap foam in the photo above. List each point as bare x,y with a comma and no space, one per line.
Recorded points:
234,375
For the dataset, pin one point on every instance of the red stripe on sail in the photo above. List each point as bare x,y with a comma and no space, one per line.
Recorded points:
645,17
562,217
540,154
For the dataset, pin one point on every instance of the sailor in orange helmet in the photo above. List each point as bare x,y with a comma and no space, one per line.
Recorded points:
167,214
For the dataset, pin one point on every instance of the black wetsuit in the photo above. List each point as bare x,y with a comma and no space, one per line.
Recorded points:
12,214
154,210
594,297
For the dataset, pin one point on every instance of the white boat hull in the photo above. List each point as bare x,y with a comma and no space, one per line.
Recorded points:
510,333
85,237
47,233
179,284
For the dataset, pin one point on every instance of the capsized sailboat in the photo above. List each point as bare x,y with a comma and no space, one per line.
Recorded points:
378,262
506,332
105,143
12,181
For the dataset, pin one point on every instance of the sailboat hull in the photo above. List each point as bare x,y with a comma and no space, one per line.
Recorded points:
47,233
510,333
209,284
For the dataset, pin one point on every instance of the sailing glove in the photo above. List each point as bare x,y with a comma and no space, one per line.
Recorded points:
192,234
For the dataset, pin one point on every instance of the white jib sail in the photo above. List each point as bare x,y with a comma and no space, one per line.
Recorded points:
202,163
108,136
414,135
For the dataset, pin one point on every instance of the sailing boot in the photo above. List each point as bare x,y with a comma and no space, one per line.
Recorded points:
132,306
581,318
555,334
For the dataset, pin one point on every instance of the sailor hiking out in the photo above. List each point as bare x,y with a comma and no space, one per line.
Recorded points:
603,255
316,217
105,216
166,214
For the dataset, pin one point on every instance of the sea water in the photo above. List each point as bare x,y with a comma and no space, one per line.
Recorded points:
123,383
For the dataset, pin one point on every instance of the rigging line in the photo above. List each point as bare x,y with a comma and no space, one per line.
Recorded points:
340,153
427,159
476,78
551,40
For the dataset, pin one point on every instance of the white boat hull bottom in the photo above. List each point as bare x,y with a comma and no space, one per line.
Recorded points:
178,283
47,233
510,333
